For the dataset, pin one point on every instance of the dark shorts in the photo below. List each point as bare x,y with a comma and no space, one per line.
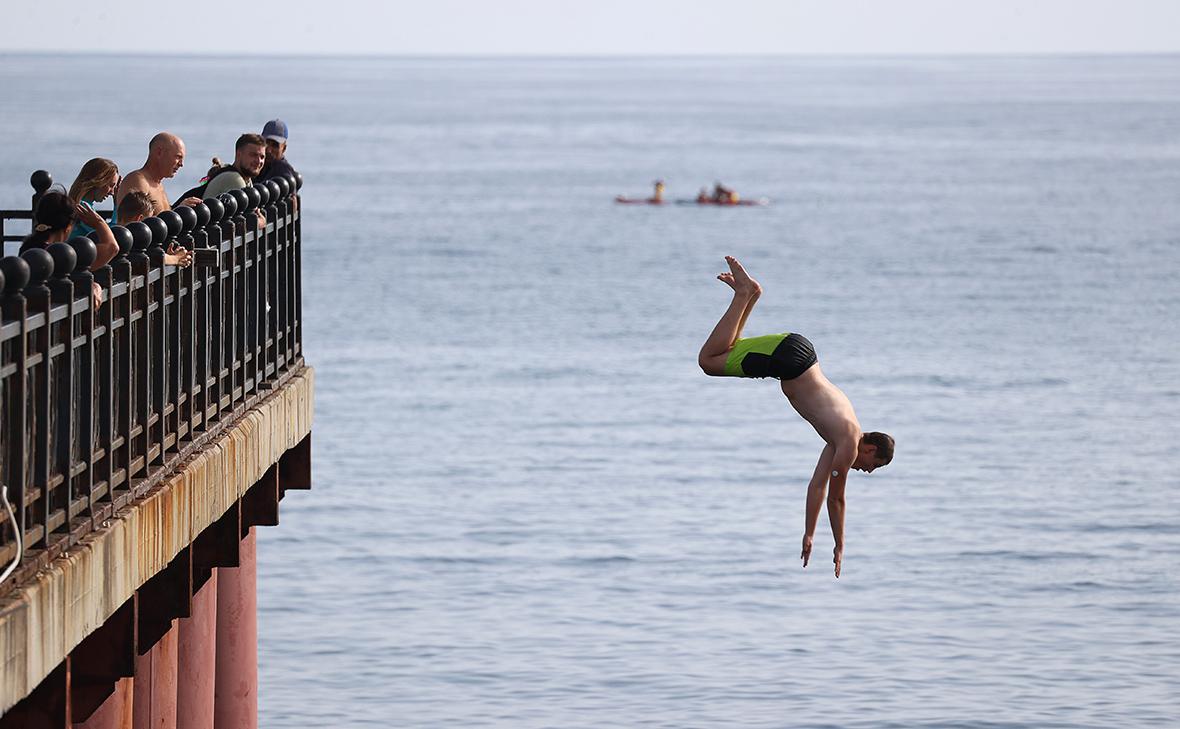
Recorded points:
782,356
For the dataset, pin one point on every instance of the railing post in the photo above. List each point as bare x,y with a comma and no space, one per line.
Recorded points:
139,316
37,296
122,384
15,392
83,285
61,375
40,180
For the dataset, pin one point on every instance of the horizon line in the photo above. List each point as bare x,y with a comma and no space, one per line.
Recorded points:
594,56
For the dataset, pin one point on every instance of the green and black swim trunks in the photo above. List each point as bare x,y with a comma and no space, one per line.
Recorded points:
782,356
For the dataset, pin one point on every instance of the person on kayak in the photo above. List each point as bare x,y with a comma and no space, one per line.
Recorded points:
657,196
790,358
723,195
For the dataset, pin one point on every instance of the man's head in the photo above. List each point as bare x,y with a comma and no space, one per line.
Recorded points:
875,450
275,134
165,155
249,155
135,205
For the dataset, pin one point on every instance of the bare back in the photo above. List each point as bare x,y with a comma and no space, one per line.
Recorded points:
137,181
823,405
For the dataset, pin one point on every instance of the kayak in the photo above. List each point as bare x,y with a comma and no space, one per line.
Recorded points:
762,201
638,200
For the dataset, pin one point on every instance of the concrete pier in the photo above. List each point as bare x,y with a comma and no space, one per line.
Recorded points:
168,581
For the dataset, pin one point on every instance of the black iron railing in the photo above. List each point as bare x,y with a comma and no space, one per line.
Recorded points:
97,406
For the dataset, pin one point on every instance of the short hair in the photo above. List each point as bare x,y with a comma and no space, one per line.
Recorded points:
94,175
248,139
883,442
135,204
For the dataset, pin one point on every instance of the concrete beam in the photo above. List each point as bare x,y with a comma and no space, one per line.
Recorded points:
47,616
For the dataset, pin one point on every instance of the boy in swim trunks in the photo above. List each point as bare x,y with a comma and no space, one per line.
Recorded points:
791,359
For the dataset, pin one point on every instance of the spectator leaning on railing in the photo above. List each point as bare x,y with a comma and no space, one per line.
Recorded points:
52,221
249,154
136,206
165,158
277,164
98,180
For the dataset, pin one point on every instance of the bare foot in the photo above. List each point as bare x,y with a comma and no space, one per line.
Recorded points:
738,279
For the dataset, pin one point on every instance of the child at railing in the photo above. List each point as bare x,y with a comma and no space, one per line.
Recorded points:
52,221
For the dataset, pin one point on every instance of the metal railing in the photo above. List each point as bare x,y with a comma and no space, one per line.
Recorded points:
97,406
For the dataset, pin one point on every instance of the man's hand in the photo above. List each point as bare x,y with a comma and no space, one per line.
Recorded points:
838,557
190,201
806,549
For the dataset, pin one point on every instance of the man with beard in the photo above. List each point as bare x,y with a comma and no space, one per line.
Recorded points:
249,156
277,165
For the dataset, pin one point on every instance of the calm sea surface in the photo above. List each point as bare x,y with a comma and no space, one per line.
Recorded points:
531,509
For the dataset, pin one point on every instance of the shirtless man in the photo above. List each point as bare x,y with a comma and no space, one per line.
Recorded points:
165,158
791,359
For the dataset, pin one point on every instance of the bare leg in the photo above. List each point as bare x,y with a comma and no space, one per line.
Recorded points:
745,294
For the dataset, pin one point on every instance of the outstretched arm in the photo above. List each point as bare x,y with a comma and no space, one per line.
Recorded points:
815,498
842,461
830,471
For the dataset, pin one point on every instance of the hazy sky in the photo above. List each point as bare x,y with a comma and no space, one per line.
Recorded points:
591,27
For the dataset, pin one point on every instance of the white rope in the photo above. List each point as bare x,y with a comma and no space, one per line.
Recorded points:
15,530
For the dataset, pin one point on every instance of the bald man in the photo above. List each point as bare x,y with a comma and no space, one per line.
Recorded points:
165,158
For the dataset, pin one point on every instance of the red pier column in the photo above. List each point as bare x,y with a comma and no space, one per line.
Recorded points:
236,705
197,660
155,683
115,712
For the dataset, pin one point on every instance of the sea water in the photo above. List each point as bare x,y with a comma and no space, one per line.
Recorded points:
531,509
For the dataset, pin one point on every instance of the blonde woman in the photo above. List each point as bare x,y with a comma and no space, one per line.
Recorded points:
96,181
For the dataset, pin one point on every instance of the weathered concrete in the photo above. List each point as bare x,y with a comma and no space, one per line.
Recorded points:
44,619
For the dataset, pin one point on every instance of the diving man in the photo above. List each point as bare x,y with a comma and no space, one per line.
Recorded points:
791,359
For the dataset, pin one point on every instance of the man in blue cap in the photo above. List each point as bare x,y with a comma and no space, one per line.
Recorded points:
275,134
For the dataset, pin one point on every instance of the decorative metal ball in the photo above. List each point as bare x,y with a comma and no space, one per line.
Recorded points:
201,210
284,186
275,191
123,237
188,218
158,228
64,259
263,194
85,251
41,180
298,181
141,235
216,210
174,222
253,197
16,273
40,265
242,199
230,203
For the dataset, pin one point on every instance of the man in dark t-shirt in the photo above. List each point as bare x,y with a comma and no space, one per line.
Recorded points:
275,134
